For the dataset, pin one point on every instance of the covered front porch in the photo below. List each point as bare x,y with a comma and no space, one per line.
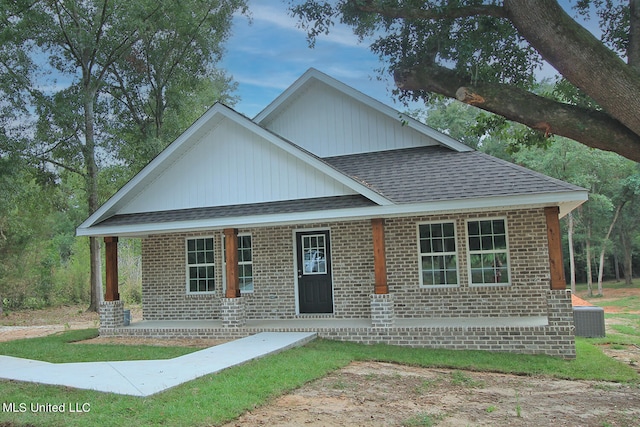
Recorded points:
458,317
529,335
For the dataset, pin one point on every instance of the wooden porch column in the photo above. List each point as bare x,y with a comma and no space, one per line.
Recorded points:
111,267
231,255
554,238
379,256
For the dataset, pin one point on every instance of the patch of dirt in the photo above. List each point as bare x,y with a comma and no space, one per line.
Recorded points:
383,394
38,323
610,294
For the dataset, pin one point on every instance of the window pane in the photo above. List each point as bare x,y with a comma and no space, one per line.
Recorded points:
474,243
476,261
485,227
448,229
450,244
500,242
487,243
425,232
473,227
436,230
498,226
452,277
452,262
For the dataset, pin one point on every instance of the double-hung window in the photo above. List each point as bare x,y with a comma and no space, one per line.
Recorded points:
200,265
438,256
488,252
245,262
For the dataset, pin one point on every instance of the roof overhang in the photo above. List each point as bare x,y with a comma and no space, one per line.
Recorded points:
566,201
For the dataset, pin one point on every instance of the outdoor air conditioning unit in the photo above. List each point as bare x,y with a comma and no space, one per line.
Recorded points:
589,321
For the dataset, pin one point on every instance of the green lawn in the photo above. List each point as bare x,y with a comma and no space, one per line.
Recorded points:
217,398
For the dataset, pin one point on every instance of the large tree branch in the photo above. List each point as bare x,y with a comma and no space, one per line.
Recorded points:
593,128
580,57
413,13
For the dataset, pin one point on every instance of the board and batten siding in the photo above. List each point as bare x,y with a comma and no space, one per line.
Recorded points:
231,166
330,123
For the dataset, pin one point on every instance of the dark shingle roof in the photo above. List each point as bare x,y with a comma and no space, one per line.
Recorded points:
427,174
194,214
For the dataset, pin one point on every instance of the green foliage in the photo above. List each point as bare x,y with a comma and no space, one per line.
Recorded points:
423,420
476,47
216,399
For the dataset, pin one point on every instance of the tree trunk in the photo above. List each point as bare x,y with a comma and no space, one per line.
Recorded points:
588,253
91,182
572,260
627,257
604,247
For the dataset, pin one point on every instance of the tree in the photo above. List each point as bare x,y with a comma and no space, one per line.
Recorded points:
486,54
88,42
166,80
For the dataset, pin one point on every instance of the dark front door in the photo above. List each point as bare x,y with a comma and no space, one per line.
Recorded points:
315,294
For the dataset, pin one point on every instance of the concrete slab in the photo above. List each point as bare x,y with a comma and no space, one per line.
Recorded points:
147,377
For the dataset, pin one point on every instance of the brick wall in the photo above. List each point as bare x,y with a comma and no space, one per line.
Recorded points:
164,275
164,282
528,258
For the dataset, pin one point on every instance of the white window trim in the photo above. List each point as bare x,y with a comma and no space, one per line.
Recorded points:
187,265
313,273
506,251
224,263
456,253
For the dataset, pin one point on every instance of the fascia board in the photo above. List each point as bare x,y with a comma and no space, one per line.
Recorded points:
274,106
567,200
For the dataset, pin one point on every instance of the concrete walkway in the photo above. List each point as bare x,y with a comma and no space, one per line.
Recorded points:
147,377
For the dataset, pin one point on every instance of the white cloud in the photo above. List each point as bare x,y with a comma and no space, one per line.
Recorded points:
279,16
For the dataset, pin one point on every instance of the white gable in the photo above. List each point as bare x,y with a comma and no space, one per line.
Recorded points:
329,118
225,159
230,166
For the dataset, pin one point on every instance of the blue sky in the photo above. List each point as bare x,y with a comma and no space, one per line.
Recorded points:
267,55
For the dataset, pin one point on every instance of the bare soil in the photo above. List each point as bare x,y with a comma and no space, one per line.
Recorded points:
384,394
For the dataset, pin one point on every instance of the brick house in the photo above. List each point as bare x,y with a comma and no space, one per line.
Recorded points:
332,212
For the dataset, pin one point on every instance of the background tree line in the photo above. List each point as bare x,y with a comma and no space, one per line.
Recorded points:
90,91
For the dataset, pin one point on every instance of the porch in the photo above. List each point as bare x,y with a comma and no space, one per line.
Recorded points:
528,335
